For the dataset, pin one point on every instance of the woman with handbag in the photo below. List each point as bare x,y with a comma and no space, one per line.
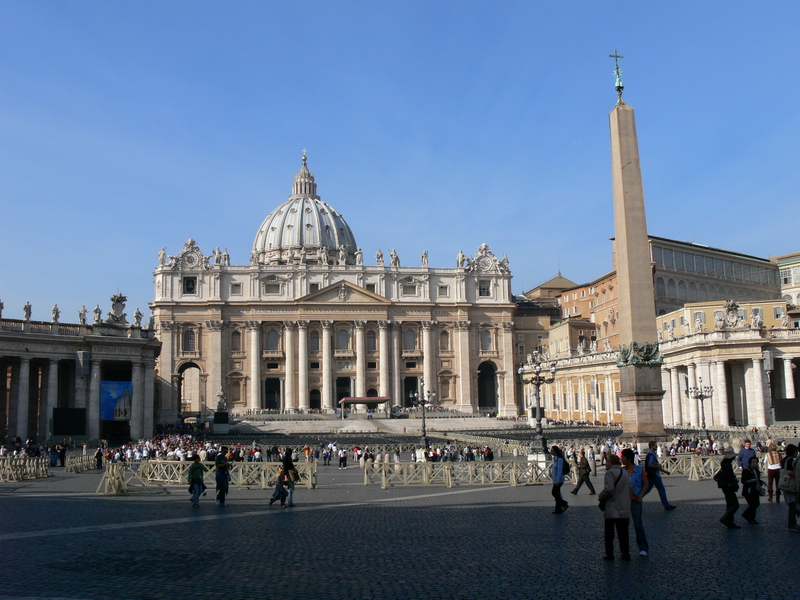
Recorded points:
773,460
752,489
615,502
789,475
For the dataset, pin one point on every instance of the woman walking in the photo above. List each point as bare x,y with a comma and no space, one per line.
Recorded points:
751,490
727,482
773,461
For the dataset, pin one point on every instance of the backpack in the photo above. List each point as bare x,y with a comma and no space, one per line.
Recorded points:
565,467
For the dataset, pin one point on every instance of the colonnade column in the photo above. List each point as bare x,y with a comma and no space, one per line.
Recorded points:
93,412
666,404
302,371
397,389
166,365
23,398
52,398
383,345
675,395
290,396
327,360
361,360
254,400
147,409
788,377
756,413
721,395
428,359
509,381
137,402
694,419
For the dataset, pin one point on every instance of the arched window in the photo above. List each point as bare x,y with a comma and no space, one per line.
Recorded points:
371,345
672,289
486,340
660,288
444,341
409,340
236,341
692,291
313,341
703,293
189,341
273,340
682,293
342,339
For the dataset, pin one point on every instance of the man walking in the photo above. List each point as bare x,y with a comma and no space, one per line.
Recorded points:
744,456
222,465
638,478
653,469
584,470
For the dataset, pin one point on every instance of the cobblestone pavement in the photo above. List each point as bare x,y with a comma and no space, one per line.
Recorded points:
347,540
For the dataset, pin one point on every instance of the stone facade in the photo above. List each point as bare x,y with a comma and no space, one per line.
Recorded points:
307,322
52,367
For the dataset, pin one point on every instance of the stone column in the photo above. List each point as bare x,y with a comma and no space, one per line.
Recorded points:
675,395
361,360
168,410
137,402
23,398
383,374
428,358
788,378
214,369
756,413
508,406
721,395
327,366
397,387
93,411
666,384
694,418
464,401
302,371
149,389
290,394
255,365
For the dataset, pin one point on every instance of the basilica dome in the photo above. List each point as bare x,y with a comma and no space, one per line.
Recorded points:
304,229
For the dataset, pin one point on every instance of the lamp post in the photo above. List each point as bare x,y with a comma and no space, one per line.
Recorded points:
420,399
700,393
534,363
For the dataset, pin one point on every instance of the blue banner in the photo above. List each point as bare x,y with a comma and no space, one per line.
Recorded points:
115,400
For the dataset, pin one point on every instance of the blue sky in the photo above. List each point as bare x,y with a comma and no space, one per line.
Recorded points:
125,127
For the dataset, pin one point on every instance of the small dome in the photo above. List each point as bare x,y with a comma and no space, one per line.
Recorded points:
304,229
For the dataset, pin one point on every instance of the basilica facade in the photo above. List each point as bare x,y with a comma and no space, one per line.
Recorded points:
308,322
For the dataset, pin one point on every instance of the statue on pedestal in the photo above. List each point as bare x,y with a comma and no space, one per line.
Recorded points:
379,257
222,400
394,259
26,311
424,259
55,313
98,314
359,256
137,318
82,315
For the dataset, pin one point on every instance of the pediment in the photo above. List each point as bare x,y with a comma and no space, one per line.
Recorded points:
343,292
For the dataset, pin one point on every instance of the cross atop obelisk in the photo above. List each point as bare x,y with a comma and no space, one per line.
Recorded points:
639,360
617,74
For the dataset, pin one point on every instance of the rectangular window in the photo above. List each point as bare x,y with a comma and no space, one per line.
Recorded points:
372,365
272,288
737,271
718,314
757,311
669,259
688,260
409,289
236,289
484,288
743,314
444,291
190,285
719,267
574,310
521,350
411,365
371,287
313,287
657,255
701,316
603,401
679,260
709,265
746,273
313,365
777,311
728,268
591,303
272,365
682,320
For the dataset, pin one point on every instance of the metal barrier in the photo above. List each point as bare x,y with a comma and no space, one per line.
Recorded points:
119,476
691,465
17,468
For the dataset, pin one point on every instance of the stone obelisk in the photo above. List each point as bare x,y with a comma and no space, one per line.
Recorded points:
639,359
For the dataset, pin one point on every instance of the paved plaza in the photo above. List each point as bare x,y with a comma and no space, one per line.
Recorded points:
347,540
